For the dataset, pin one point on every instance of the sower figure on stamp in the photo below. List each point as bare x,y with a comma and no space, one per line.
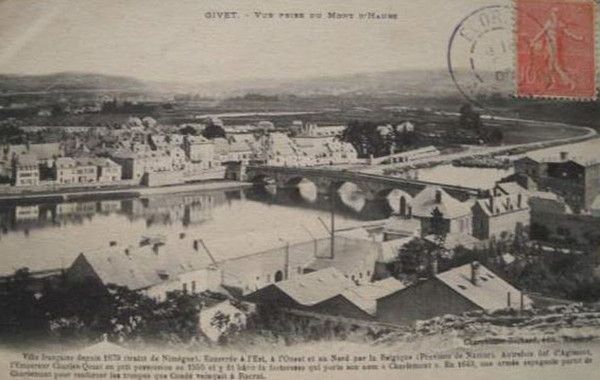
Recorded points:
545,47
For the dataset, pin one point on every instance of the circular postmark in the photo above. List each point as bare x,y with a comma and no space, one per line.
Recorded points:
481,55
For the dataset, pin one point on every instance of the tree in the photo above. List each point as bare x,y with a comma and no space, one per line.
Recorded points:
188,130
213,131
438,227
367,139
469,118
414,256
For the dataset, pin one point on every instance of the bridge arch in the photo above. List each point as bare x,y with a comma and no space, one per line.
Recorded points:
260,179
351,195
399,201
302,187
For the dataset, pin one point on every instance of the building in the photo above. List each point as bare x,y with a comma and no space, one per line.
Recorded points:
595,207
456,216
257,259
154,268
505,210
409,155
233,150
86,170
405,127
554,223
25,170
64,170
318,292
207,315
571,171
317,150
329,292
354,256
43,151
108,171
466,288
135,165
200,150
277,149
314,130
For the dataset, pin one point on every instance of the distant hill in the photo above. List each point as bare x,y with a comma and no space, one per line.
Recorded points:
414,82
68,81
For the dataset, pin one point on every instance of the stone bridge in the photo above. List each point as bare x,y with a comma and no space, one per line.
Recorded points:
374,186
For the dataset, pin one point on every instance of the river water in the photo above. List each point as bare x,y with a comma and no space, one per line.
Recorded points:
50,235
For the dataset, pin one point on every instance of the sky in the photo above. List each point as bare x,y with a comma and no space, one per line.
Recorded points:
174,41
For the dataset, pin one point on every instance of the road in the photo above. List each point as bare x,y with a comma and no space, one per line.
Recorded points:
480,151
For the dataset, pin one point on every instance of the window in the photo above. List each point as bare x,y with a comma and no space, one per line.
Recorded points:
193,286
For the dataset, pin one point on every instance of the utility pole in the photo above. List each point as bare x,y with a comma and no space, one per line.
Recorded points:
332,205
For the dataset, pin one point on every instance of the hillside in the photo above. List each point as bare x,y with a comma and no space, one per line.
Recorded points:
415,83
68,82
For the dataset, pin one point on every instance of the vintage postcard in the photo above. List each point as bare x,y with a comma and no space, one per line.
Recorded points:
279,189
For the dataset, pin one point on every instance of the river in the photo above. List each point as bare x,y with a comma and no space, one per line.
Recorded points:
44,236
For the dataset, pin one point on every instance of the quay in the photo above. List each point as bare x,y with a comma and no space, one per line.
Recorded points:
126,192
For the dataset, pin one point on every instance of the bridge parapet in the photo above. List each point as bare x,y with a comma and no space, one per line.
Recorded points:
373,183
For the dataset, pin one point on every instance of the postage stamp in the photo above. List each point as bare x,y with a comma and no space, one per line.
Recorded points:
555,48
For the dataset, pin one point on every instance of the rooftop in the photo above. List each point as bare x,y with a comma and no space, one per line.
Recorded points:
584,153
490,293
313,288
138,267
427,200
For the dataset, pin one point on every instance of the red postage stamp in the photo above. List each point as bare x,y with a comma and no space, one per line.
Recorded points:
556,48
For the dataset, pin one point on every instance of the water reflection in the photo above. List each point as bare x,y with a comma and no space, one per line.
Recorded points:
50,235
187,209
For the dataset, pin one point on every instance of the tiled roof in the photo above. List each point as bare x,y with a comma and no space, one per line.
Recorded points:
140,267
350,254
425,202
313,288
263,240
584,153
27,160
63,162
490,293
366,296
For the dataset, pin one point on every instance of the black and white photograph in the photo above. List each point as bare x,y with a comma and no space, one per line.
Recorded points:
277,189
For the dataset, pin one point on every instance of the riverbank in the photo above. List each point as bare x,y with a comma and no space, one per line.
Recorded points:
121,192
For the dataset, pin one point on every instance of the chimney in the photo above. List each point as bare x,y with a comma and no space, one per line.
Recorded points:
564,155
475,273
286,274
438,196
434,266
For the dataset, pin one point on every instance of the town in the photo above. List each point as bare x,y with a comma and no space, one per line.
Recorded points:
464,248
